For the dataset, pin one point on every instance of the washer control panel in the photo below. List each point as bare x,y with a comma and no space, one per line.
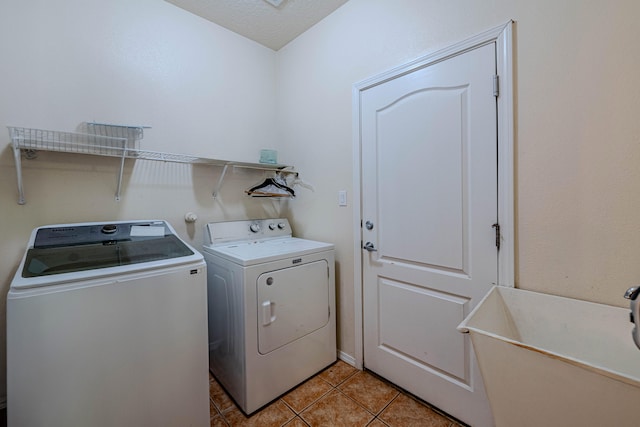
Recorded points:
91,233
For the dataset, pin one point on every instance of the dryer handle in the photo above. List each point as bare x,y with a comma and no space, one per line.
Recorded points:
268,312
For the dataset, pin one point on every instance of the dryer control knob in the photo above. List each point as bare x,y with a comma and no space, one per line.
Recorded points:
254,227
281,225
272,226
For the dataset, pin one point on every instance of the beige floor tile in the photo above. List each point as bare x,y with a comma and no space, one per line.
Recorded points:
337,410
407,412
212,408
358,396
296,422
220,398
369,391
275,415
337,373
307,393
218,421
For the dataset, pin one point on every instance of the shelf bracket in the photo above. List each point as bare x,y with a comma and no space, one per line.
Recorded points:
122,157
17,156
219,185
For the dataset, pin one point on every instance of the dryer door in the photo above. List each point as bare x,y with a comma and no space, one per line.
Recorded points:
292,303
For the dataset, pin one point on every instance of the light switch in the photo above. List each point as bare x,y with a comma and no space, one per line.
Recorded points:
342,198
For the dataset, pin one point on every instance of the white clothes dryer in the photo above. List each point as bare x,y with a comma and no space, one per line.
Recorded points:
106,326
271,301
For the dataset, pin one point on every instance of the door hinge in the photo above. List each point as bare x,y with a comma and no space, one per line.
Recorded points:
496,85
497,227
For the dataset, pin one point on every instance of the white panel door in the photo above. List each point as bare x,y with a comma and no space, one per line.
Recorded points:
429,200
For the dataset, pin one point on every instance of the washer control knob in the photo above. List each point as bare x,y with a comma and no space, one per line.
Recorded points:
272,226
255,227
109,228
281,225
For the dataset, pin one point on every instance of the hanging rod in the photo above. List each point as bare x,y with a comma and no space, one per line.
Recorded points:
255,166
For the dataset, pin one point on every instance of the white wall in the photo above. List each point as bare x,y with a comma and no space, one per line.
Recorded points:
207,91
202,89
577,129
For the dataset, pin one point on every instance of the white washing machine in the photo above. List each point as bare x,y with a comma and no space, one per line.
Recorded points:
106,326
272,311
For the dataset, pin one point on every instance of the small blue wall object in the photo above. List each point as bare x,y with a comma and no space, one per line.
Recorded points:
269,156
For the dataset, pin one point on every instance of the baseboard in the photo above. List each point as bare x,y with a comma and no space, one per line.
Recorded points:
347,358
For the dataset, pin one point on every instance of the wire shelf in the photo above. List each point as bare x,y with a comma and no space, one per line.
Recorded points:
113,146
68,142
132,133
112,141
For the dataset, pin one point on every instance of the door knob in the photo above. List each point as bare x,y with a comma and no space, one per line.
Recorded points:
369,246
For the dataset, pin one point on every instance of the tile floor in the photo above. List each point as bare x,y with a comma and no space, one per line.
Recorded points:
338,396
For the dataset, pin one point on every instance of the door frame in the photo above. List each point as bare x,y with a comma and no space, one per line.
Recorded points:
503,37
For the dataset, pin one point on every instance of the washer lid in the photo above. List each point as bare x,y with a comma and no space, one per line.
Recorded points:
71,252
260,251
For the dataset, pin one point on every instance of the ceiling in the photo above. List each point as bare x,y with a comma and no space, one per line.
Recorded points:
261,20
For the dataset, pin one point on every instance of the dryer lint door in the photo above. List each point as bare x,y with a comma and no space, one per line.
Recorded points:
292,303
